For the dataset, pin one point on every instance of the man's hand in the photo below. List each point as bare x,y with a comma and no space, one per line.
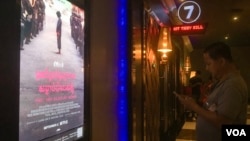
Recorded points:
187,101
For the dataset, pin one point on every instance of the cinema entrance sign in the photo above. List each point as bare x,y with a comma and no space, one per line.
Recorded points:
188,29
188,13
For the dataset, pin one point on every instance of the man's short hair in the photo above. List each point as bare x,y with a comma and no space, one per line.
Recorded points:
219,50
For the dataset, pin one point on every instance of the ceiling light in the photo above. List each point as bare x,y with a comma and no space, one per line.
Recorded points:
235,18
226,37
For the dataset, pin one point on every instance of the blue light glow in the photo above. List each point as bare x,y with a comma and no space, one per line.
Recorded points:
123,71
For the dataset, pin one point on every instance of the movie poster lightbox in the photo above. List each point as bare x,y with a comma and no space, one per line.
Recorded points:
51,71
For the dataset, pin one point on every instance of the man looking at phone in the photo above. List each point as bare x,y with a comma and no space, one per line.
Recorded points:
227,102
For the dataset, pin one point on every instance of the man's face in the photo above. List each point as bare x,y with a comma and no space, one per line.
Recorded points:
212,66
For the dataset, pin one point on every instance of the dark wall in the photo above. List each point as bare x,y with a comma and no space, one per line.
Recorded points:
9,70
103,70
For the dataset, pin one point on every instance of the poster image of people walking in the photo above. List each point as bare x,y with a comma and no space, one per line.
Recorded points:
51,71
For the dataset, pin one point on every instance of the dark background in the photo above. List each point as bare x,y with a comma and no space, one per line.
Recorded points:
9,70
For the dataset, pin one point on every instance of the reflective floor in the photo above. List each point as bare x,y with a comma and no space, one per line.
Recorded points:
188,130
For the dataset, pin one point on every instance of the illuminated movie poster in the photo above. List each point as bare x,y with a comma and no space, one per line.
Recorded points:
51,71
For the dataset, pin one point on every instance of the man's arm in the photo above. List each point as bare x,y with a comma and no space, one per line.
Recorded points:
211,116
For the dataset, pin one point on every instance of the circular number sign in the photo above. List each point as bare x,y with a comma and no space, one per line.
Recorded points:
189,12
